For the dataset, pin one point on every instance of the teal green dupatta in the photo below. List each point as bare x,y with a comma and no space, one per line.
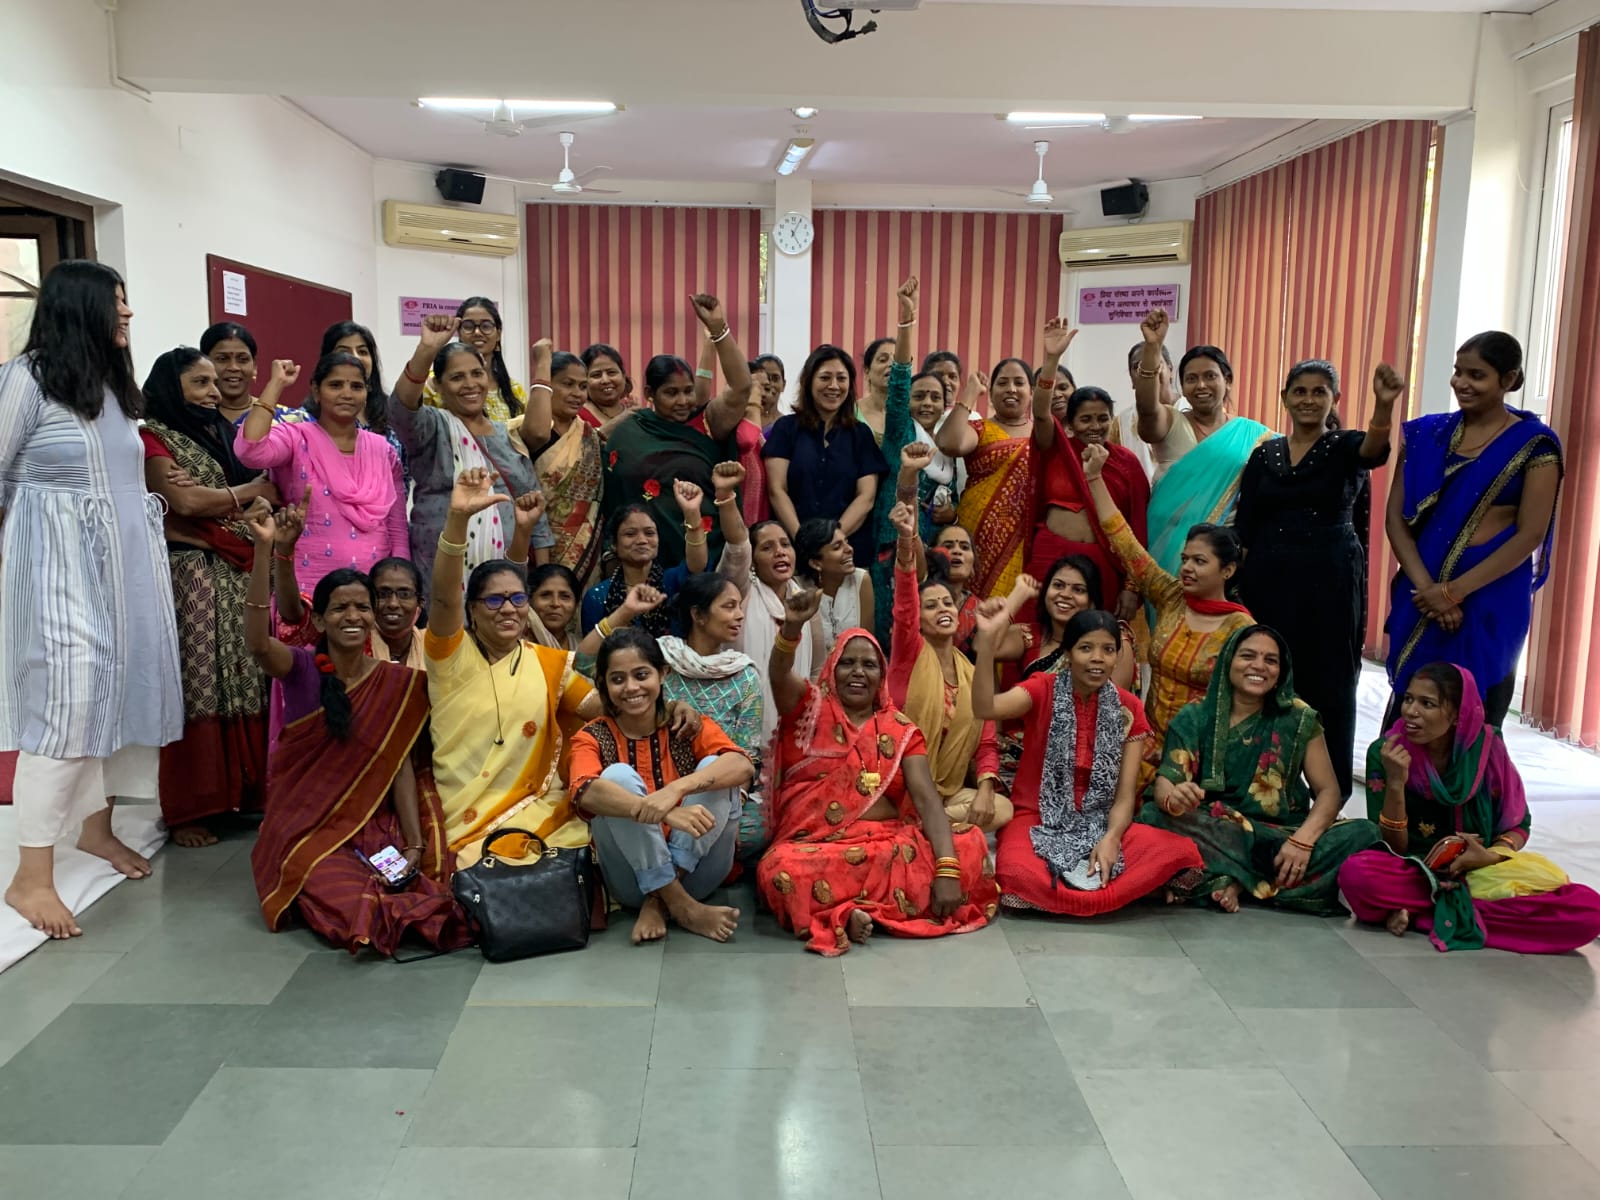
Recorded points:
1201,487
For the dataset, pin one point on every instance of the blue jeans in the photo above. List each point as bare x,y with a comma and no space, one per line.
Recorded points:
639,859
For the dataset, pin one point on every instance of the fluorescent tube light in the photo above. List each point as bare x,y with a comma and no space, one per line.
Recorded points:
795,155
458,104
1053,118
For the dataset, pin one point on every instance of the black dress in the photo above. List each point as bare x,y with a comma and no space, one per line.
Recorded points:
1304,529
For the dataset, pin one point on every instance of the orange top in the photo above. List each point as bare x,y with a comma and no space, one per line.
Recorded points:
660,758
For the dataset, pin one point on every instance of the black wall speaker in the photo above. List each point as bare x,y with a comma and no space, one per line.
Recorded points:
461,186
1130,200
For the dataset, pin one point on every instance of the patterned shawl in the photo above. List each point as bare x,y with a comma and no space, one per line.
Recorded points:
1067,833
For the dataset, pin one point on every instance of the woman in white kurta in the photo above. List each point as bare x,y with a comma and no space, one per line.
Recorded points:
90,687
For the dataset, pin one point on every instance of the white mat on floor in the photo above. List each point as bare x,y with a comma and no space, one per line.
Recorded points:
1562,782
80,878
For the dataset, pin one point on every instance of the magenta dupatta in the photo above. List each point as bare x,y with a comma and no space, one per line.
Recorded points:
361,483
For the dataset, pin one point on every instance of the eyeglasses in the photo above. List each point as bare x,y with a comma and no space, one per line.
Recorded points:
477,326
499,600
403,594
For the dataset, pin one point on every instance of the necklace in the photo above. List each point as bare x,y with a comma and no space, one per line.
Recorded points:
1478,449
494,688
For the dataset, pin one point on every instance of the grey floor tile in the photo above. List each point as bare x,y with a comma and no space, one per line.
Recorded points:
83,1173
1477,1173
456,1174
969,970
160,972
176,870
1504,1010
940,1172
1322,971
268,1133
1391,1077
758,933
116,1074
778,1133
343,1010
38,989
1579,970
1566,1101
1222,1135
115,923
517,1077
752,1011
1012,1089
610,971
1205,927
1134,934
1374,941
1137,1012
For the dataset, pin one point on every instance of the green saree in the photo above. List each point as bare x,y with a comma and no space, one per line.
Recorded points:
1256,792
645,455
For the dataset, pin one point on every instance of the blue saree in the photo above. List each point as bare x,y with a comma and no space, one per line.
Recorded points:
1201,487
1446,498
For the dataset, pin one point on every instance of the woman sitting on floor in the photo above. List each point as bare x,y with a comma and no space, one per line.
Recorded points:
1073,847
1246,776
932,682
1439,778
861,834
665,842
638,588
1039,643
342,789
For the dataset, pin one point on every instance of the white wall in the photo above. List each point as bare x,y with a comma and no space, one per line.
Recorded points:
176,177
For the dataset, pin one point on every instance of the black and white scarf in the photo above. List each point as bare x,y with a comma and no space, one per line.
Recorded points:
658,622
1067,835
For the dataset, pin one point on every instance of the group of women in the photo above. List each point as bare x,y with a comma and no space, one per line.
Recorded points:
841,648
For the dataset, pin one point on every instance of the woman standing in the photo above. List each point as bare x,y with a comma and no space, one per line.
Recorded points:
461,436
220,764
571,470
862,838
1194,615
83,578
772,384
610,390
1472,523
1246,775
845,594
232,351
941,482
668,441
876,361
897,435
358,340
1074,848
997,505
1200,453
1455,825
356,510
666,841
822,463
478,323
956,562
1296,522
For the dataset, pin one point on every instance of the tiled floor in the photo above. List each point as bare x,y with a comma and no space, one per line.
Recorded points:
179,1050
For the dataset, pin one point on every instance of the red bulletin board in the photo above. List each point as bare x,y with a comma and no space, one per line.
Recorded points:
286,316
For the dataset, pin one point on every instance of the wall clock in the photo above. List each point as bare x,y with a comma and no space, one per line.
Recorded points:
793,233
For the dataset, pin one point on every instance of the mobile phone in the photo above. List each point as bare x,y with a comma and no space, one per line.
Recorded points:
387,864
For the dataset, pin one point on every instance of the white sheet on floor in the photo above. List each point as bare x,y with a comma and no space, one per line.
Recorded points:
1562,782
80,878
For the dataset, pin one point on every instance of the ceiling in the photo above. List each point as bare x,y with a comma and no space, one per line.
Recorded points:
744,145
1442,6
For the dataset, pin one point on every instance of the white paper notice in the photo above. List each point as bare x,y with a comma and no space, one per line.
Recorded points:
233,294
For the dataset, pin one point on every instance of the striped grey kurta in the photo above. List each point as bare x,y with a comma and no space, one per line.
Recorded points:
87,629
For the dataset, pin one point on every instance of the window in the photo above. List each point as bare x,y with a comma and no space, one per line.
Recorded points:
1550,262
19,277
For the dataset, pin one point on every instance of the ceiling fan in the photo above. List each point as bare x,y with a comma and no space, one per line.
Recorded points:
1039,193
568,183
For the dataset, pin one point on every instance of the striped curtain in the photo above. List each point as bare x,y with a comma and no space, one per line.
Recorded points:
1356,267
623,274
988,280
1239,274
1563,686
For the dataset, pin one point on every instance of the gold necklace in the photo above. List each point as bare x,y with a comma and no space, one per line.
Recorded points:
1478,449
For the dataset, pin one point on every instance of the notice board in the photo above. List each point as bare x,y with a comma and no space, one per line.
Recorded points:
286,316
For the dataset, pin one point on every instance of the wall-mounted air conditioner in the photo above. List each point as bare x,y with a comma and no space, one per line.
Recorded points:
1156,244
460,230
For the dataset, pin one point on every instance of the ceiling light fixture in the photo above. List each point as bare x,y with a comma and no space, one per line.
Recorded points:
1162,117
804,111
1050,118
563,107
795,155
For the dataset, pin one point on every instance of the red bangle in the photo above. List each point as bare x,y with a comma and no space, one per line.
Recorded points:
285,558
406,371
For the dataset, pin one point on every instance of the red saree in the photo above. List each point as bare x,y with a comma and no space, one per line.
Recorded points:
826,860
328,799
1061,483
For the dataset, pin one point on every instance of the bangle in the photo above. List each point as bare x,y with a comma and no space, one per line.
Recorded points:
1143,374
784,646
947,860
605,627
411,847
237,507
446,546
907,324
1444,590
253,604
406,371
260,403
728,499
704,374
691,540
283,558
1298,844
1395,826
1380,426
723,336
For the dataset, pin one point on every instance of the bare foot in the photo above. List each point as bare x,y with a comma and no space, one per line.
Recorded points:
1399,921
193,836
41,907
1227,898
859,928
652,923
717,924
102,843
1173,897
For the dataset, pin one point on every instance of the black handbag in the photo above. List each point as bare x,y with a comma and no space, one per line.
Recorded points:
527,909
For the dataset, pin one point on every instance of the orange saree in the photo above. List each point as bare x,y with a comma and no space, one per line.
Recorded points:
827,860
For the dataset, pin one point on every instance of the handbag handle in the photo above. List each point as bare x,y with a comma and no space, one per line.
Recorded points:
511,831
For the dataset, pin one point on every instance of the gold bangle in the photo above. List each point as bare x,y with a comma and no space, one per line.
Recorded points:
446,546
1396,826
1143,374
784,646
1444,590
262,607
605,627
689,541
947,862
728,499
